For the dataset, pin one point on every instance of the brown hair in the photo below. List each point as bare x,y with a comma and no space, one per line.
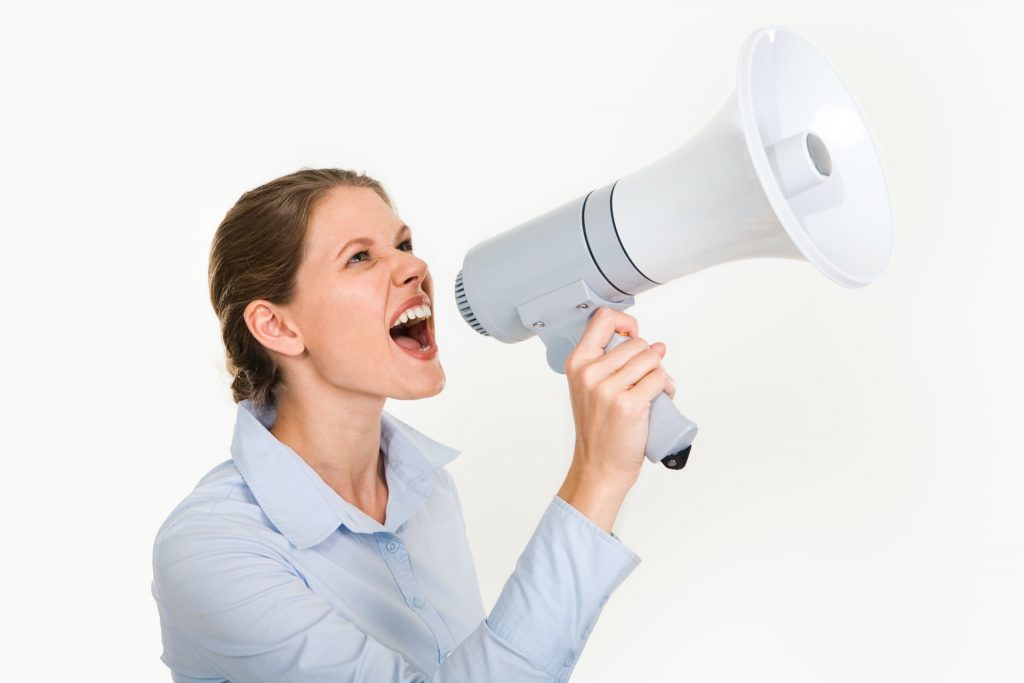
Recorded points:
255,254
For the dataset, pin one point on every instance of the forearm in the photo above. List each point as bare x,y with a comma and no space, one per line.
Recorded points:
597,498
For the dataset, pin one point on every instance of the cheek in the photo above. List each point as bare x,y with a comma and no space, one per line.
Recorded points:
345,334
332,324
350,352
352,333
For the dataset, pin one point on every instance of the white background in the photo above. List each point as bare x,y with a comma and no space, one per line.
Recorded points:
853,508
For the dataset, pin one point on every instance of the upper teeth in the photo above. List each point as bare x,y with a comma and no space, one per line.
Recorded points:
412,313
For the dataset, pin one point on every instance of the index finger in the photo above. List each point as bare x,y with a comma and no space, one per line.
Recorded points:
603,323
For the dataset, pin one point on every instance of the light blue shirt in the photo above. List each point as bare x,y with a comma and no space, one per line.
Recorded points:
264,573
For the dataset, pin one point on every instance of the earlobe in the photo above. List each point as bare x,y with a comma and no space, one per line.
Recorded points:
268,326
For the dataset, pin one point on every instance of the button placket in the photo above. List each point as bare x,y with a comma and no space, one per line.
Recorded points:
396,556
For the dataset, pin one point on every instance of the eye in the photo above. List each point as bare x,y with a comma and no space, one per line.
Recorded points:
407,242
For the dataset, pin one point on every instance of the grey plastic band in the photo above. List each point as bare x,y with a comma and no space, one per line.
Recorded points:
605,246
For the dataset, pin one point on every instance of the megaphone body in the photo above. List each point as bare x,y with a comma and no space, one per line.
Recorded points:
785,169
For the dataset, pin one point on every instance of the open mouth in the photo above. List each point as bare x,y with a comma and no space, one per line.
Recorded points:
413,335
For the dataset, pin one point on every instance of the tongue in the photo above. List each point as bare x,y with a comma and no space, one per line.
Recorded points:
407,343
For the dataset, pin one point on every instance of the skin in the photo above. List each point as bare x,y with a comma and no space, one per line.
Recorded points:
331,341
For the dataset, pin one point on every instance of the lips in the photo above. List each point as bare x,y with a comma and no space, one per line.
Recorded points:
420,334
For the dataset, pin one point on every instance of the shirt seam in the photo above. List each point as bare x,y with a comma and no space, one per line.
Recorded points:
214,504
210,507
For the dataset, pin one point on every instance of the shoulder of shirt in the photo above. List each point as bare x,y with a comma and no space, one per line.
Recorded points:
220,500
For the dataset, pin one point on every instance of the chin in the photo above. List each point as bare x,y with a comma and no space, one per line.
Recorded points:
425,391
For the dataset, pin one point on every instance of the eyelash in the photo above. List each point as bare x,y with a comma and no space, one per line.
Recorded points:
409,242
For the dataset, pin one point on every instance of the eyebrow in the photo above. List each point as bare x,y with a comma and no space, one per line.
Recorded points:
367,240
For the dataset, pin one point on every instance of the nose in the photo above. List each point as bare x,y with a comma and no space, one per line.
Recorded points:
410,269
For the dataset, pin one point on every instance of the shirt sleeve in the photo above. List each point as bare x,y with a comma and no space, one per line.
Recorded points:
563,579
248,617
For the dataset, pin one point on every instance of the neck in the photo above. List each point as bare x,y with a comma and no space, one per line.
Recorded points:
339,437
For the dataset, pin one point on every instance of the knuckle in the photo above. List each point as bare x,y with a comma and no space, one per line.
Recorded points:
641,349
587,375
615,314
658,372
622,403
571,364
605,392
632,406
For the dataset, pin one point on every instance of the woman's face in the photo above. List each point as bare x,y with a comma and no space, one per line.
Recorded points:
348,293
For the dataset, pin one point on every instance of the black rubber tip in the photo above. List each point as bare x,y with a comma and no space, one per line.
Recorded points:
677,461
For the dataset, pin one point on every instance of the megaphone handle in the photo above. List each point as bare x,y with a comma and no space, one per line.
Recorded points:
669,432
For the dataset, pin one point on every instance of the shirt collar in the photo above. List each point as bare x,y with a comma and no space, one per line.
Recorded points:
302,506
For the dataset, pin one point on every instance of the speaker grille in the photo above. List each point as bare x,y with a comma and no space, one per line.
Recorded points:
464,308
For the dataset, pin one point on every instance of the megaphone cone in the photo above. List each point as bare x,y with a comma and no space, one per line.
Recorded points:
785,169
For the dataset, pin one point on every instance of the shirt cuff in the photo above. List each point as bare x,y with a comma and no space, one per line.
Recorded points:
562,580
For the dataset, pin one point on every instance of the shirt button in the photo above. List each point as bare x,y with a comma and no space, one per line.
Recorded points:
445,656
583,634
418,602
392,546
567,661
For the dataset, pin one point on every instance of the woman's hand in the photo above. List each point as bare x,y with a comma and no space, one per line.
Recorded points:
611,396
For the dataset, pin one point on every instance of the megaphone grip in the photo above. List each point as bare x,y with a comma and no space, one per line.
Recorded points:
669,432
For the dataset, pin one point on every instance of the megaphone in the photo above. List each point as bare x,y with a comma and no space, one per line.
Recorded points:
786,169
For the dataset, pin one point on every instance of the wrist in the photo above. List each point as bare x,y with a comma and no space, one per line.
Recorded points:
597,475
598,498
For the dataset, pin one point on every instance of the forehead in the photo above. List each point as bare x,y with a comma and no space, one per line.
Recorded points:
344,213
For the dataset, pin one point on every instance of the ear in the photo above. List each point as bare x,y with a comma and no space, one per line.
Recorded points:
268,324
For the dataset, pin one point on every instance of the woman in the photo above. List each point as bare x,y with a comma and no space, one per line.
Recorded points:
331,546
